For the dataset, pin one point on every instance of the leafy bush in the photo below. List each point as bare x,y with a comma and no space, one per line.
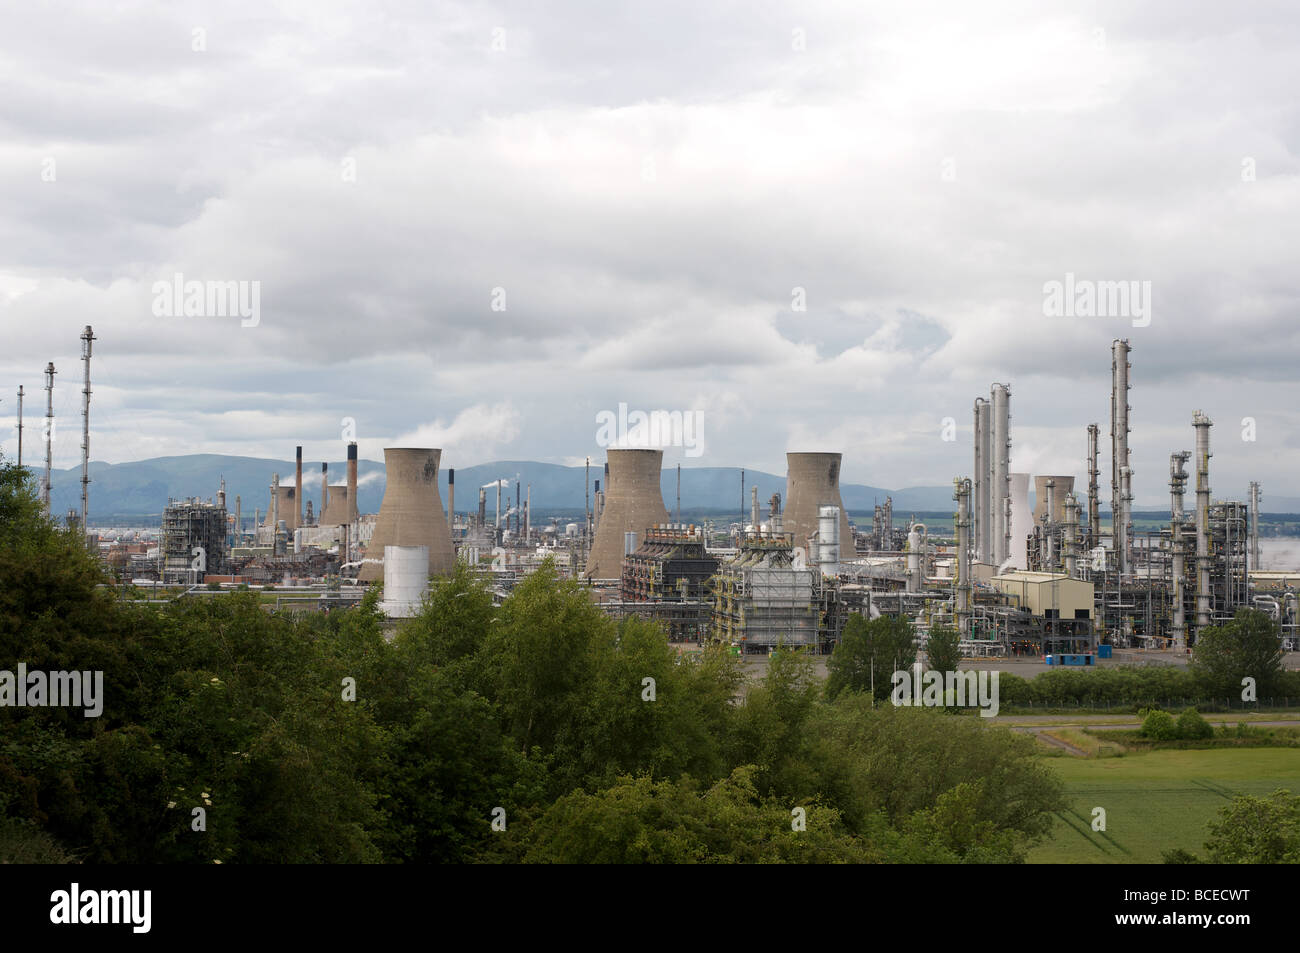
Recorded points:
1192,726
1158,725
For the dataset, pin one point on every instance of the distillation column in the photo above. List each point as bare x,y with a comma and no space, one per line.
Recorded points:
1202,424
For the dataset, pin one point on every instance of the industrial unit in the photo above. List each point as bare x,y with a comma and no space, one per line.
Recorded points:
194,540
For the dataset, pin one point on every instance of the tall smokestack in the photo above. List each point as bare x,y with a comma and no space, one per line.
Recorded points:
1094,506
239,517
1000,492
353,512
528,513
1202,424
753,508
275,507
451,497
298,489
324,490
1119,431
49,436
482,508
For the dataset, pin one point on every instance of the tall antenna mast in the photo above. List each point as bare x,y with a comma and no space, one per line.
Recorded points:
87,339
49,436
20,426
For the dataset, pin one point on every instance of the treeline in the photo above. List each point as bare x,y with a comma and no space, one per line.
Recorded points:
1238,664
534,731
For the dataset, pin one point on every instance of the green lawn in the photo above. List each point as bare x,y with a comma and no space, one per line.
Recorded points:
1156,801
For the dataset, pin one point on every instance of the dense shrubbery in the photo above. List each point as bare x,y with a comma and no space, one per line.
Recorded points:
537,710
1158,726
1132,685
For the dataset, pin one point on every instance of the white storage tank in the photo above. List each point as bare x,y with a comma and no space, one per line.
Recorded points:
406,577
828,539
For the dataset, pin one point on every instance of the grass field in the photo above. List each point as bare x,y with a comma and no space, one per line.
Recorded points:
1156,801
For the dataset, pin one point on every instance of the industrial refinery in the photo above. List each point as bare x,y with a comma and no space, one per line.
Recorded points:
1047,579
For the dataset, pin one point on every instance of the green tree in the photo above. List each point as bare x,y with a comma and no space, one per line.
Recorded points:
868,654
943,648
1257,830
640,820
1246,647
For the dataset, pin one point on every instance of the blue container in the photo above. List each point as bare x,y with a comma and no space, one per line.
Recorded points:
1103,651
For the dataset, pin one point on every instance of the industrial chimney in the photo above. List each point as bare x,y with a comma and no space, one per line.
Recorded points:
813,480
298,490
451,496
634,501
353,513
324,491
411,514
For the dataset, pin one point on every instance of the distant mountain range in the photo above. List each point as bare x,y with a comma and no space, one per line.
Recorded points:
138,491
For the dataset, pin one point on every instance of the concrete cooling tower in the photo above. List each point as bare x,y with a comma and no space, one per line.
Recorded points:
634,501
1064,485
813,480
337,511
288,508
411,514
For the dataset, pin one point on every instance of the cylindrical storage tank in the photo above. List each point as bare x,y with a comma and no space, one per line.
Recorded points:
812,481
411,514
570,529
629,544
406,577
1022,521
828,539
633,502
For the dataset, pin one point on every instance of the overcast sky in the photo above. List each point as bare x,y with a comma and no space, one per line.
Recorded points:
649,187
